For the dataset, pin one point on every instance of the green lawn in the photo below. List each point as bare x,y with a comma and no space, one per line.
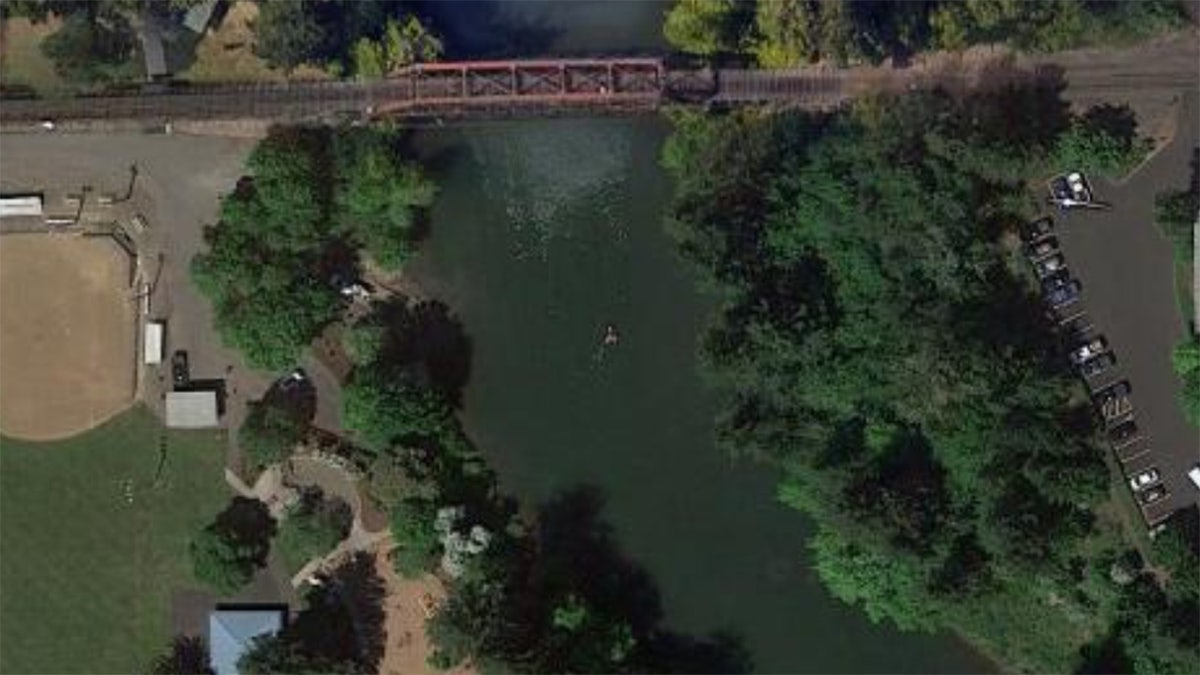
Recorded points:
87,577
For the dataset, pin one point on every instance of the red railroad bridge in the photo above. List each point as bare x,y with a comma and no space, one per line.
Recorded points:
432,90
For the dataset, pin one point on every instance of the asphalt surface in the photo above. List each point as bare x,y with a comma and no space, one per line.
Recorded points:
1126,267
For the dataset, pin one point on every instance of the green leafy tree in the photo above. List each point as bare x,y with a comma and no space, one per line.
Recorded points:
270,432
93,46
705,27
1177,212
379,197
312,528
1103,141
370,59
364,341
287,33
417,545
227,553
408,41
1186,360
383,410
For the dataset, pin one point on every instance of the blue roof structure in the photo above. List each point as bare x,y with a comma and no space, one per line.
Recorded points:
231,632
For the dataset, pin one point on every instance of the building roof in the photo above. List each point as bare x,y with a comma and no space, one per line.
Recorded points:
231,633
197,18
191,409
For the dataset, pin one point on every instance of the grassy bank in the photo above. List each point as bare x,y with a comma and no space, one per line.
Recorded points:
87,574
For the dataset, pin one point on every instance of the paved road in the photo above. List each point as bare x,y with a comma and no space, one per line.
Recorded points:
1126,267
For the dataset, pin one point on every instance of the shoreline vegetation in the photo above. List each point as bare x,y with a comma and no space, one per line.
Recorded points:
871,243
791,33
543,592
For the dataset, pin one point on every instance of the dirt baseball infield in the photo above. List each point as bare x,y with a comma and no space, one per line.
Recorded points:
66,334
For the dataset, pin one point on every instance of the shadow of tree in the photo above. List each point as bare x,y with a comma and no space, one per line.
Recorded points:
427,339
578,555
187,655
344,620
566,599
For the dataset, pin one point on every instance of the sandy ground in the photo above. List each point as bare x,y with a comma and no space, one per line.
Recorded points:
226,52
407,645
66,334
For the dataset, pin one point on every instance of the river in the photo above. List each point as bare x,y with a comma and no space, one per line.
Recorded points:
544,232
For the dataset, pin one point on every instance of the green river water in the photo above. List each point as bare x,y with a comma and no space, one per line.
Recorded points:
544,232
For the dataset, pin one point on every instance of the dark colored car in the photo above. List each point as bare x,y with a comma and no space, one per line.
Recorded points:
1154,494
1097,364
1037,229
1123,432
1061,292
1042,247
179,369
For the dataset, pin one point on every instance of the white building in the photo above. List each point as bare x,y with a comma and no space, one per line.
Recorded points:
192,409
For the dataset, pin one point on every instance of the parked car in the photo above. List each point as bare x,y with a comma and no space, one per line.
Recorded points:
1050,264
1042,247
179,368
1061,290
1089,350
1194,475
1097,364
1034,230
293,379
1123,432
1070,189
1154,494
1144,479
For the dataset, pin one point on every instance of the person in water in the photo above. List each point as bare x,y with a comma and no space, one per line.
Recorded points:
611,337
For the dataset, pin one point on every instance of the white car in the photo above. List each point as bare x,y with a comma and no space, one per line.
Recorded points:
1144,479
1194,474
1089,350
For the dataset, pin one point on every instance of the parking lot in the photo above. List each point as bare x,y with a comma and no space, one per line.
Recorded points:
1125,267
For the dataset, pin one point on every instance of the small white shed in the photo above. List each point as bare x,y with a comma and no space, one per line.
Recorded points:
191,409
152,342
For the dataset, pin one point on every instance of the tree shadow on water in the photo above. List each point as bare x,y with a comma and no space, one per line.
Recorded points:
578,557
428,339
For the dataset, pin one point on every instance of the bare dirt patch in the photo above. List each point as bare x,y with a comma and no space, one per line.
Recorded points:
407,645
66,334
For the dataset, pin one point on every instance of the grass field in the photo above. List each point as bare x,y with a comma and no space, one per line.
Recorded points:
87,576
21,58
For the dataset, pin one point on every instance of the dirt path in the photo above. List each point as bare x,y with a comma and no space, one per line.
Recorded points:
407,646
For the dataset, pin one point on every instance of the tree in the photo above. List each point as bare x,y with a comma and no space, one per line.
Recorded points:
287,34
787,33
408,41
1186,360
704,27
364,341
382,411
92,46
226,554
270,433
312,528
370,59
268,259
379,197
1177,212
1103,141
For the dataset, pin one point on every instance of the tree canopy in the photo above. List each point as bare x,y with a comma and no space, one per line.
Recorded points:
788,33
881,343
291,229
227,553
